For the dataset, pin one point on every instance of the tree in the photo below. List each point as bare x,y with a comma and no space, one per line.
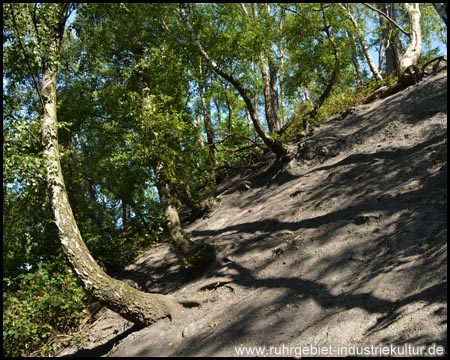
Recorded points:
412,53
321,53
149,80
267,65
206,104
363,42
49,21
396,62
273,144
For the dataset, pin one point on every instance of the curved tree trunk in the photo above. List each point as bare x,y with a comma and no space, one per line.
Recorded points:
396,63
136,306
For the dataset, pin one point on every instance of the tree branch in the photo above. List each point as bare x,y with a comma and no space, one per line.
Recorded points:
387,18
361,39
244,9
276,146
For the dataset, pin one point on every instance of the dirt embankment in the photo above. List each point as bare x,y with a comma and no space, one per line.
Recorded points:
346,246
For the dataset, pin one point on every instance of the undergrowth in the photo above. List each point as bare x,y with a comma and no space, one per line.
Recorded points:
334,105
45,305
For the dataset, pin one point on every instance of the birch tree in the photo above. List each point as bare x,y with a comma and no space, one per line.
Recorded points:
41,28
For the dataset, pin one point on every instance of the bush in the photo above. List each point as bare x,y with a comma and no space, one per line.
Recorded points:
48,302
341,101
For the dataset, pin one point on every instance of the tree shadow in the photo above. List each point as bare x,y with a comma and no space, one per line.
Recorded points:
104,349
381,155
241,330
379,178
434,293
419,232
160,272
311,289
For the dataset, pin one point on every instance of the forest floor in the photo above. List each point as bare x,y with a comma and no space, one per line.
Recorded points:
346,246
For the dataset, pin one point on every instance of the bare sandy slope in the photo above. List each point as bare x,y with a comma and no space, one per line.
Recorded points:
346,246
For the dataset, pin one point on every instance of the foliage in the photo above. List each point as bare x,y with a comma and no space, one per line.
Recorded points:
115,253
37,307
343,100
335,104
433,30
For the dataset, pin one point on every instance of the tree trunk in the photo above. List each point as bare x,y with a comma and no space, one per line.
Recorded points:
371,63
412,53
125,199
282,96
269,111
96,215
198,208
218,115
390,39
268,101
327,91
269,78
355,62
124,213
396,63
274,94
441,9
230,128
207,119
136,306
273,78
193,255
198,125
168,201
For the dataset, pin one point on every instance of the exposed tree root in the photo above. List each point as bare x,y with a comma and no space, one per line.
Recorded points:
411,76
196,295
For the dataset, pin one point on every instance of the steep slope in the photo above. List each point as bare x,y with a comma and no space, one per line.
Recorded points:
346,246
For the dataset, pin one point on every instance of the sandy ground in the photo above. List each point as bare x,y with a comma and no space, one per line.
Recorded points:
347,246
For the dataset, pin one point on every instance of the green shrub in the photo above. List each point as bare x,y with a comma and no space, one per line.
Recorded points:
115,253
337,103
47,302
341,101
